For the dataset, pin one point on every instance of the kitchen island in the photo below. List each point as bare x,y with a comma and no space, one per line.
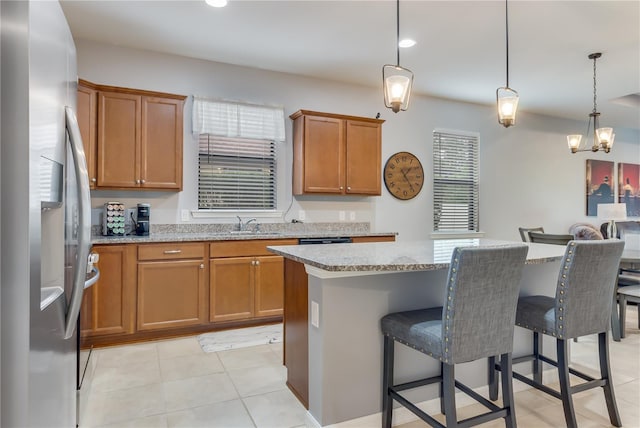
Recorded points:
352,286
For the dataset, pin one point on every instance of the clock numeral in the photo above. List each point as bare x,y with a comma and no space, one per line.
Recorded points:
404,193
392,166
392,184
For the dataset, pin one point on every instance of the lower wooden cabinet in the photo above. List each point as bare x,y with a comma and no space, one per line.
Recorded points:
171,286
246,281
246,287
108,307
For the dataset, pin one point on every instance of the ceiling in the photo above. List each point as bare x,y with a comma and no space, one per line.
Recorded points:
460,52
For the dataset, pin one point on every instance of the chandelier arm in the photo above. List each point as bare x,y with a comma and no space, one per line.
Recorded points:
595,105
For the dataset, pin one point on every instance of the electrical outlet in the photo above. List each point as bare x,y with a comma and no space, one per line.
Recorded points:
352,215
342,215
315,314
301,215
186,215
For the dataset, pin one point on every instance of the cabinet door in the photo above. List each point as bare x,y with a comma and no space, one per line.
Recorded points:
269,286
108,307
171,294
87,115
363,158
161,148
323,155
118,140
231,288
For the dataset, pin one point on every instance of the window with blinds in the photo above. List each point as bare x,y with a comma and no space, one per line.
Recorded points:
455,181
236,173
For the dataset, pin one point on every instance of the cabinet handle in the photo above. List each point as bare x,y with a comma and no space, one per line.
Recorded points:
349,188
257,262
341,188
137,181
93,180
253,262
142,181
172,251
201,265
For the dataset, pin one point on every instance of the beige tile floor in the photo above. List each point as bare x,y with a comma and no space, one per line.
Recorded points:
173,383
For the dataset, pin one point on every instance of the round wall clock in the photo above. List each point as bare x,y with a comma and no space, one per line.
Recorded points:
403,175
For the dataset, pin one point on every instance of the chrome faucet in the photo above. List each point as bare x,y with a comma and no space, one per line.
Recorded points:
243,225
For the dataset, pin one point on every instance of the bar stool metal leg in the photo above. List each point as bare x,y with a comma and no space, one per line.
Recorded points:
537,351
387,380
565,386
507,390
493,379
449,394
605,373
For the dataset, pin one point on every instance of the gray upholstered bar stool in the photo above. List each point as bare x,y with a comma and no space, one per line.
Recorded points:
581,306
475,322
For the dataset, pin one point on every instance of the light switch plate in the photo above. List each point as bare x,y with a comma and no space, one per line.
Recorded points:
342,216
352,215
315,314
186,215
301,215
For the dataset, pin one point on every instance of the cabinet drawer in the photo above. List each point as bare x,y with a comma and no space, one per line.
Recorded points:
256,247
170,251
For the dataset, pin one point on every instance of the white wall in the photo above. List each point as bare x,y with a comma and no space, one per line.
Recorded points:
527,178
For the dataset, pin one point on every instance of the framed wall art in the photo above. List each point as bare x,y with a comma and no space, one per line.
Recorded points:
629,187
600,185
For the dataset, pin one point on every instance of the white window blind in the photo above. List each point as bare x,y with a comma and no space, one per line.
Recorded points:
235,173
237,120
455,181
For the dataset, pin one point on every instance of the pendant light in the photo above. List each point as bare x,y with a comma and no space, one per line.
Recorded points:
506,97
396,80
602,137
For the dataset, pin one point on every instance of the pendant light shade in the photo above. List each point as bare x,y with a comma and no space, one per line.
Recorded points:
507,98
397,81
397,87
602,137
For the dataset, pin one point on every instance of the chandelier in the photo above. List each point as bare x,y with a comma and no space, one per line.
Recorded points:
396,80
602,137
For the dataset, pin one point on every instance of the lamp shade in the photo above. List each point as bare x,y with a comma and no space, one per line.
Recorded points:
507,100
397,83
615,212
574,142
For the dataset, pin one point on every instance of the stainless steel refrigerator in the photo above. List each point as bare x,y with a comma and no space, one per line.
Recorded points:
45,220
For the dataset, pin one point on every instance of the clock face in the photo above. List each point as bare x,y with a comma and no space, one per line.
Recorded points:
403,175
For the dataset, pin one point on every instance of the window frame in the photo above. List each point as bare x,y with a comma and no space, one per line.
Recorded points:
472,181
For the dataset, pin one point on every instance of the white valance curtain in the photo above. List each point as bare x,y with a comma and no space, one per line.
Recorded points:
237,120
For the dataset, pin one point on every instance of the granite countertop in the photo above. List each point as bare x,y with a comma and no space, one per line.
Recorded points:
225,232
399,256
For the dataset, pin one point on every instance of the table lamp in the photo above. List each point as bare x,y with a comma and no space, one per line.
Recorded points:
612,213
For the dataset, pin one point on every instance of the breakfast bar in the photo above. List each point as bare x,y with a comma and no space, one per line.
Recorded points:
352,286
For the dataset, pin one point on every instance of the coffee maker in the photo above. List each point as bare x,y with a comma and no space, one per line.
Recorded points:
142,219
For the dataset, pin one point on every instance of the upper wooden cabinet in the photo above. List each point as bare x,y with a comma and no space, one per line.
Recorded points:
138,137
336,154
87,115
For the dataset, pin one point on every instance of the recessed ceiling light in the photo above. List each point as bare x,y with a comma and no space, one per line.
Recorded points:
216,3
406,43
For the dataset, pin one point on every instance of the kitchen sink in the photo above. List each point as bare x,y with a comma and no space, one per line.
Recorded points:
252,232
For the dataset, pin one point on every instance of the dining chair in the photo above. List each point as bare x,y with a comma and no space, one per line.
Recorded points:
524,232
475,322
550,238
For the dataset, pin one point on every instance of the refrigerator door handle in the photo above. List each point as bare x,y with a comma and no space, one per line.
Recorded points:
95,276
84,222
